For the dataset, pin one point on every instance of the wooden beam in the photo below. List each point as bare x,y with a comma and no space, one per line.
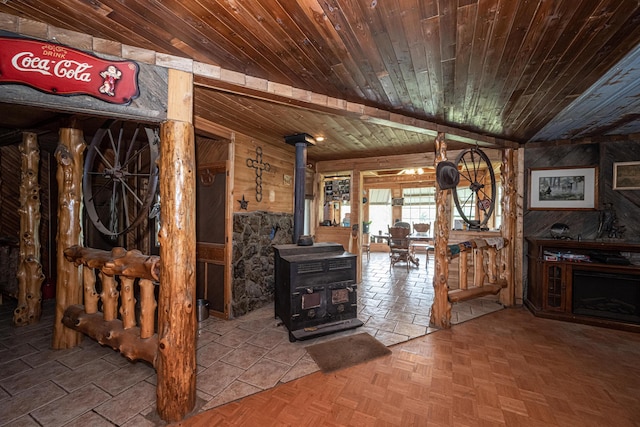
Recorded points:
441,309
176,365
30,275
509,195
69,178
176,362
294,97
180,104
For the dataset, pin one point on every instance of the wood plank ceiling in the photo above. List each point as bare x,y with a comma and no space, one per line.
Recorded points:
500,69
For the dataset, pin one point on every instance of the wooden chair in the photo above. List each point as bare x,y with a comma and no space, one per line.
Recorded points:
366,244
421,228
399,245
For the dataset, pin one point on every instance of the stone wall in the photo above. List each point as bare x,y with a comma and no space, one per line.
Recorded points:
254,234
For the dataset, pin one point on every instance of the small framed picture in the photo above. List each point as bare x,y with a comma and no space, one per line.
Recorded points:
567,188
626,176
397,201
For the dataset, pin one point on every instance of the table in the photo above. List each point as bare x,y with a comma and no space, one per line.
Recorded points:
416,240
421,241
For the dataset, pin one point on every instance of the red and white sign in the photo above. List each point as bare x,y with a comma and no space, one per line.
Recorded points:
61,70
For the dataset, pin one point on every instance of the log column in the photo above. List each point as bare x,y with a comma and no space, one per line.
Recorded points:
176,364
69,284
441,309
29,274
508,228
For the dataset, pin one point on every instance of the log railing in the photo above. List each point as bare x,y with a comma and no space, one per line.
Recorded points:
121,273
486,277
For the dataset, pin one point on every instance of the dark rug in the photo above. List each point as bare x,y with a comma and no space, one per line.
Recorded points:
346,351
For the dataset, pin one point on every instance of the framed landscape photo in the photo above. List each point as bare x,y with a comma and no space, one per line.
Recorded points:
626,176
566,188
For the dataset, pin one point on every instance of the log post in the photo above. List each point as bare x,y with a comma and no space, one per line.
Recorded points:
91,296
441,309
478,267
128,303
463,269
147,308
69,178
508,228
29,273
176,363
109,297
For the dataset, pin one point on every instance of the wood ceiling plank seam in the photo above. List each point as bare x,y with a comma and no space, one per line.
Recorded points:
428,9
279,40
351,89
431,34
500,31
243,55
396,54
358,40
512,89
466,17
327,40
492,78
42,13
537,71
171,35
410,46
385,57
364,113
448,33
482,37
601,114
369,132
586,71
615,53
417,55
518,29
156,36
583,42
318,50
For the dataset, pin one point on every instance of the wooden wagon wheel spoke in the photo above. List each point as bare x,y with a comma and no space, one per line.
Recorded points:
120,176
476,175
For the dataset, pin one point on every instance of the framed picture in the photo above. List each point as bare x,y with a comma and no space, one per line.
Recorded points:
626,176
566,188
397,201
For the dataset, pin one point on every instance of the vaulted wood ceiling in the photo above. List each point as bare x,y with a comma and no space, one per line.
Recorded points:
483,70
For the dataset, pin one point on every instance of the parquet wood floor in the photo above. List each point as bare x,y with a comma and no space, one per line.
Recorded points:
504,369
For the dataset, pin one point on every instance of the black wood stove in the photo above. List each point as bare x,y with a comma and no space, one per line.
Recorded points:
315,289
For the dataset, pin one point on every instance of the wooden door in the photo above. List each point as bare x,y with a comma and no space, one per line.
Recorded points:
211,246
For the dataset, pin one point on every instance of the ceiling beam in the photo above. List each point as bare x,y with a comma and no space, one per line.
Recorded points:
264,90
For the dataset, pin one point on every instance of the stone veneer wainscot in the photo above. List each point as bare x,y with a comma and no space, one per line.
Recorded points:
253,240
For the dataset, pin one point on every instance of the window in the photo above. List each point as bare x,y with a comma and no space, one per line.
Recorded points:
379,210
419,206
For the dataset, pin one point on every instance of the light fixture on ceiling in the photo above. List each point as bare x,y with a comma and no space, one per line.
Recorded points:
411,171
319,138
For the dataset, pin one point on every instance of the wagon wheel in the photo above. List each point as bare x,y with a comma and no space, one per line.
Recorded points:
120,176
476,174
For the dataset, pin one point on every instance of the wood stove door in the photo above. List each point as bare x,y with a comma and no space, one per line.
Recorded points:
211,207
308,307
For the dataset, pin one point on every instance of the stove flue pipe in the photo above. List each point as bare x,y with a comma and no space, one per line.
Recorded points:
301,141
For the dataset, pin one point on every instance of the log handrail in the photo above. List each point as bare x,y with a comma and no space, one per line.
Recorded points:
486,277
123,334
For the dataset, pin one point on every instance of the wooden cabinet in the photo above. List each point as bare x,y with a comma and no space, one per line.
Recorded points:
585,281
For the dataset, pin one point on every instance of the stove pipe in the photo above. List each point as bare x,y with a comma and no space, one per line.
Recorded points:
300,141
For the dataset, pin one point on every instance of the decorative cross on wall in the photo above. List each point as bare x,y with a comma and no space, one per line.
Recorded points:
259,167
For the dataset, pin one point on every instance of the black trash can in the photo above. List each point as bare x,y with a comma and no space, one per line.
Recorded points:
202,309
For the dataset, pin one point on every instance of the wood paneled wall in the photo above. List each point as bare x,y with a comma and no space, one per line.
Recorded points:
603,154
277,182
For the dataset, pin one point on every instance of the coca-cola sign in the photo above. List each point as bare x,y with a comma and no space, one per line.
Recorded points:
61,70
